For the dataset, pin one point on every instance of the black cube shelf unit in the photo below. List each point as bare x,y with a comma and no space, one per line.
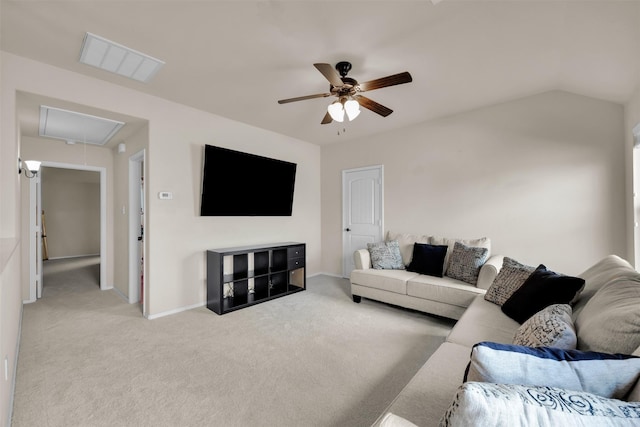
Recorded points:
243,276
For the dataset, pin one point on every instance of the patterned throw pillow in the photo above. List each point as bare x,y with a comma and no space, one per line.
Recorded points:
527,405
465,263
385,255
550,327
510,277
483,242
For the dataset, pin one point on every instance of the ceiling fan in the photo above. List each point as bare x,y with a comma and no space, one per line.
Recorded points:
348,90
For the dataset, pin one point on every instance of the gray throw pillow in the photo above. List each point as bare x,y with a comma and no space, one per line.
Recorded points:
385,255
465,263
509,279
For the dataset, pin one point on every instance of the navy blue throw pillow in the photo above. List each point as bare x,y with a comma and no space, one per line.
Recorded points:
428,259
543,288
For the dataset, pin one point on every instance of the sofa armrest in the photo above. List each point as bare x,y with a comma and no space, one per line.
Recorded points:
540,406
489,271
362,259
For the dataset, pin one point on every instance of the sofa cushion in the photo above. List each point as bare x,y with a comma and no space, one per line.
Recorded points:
483,321
442,289
510,277
465,262
386,280
602,272
539,406
428,259
607,375
483,242
405,242
610,321
427,396
541,289
550,327
385,255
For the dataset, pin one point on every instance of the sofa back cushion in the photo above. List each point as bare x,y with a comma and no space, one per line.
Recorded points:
610,320
602,272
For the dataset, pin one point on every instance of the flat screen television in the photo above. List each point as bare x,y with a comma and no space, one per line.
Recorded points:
242,184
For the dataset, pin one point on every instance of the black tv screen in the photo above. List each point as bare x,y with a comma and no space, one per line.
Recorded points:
242,184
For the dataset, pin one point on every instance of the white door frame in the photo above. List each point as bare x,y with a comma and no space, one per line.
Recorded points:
345,204
136,161
35,255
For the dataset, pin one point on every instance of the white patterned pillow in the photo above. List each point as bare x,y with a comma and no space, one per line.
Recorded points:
465,263
550,327
385,255
509,279
607,375
539,406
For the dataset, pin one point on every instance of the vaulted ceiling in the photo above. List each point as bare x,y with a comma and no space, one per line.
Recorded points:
237,58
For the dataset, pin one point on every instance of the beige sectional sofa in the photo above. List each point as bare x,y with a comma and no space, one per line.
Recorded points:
606,318
443,296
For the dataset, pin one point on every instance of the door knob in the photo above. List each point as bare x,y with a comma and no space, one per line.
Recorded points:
347,229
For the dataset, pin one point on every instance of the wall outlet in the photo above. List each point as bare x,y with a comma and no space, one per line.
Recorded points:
165,195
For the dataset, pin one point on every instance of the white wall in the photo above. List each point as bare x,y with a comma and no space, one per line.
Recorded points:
542,176
177,237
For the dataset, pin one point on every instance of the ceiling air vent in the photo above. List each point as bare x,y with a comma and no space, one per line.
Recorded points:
116,58
76,127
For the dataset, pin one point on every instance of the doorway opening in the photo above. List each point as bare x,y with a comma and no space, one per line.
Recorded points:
137,287
67,240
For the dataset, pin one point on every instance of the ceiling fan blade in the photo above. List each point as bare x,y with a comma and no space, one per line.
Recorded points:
396,79
302,98
327,119
373,106
330,74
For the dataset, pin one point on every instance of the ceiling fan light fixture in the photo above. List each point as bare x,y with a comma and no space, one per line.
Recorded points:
352,108
336,111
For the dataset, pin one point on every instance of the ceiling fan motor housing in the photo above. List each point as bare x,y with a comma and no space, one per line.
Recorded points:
343,68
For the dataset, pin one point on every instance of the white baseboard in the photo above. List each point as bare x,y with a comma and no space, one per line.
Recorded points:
71,257
121,295
174,311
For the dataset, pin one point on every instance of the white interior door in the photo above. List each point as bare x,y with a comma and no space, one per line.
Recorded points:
362,213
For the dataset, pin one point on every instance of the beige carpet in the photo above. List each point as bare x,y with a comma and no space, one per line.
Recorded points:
314,358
